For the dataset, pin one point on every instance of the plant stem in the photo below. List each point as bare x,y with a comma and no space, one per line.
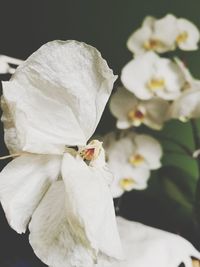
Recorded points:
197,192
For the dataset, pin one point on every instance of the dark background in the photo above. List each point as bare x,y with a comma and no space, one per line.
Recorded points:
106,24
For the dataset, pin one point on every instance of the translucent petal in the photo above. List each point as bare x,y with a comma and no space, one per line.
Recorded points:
23,183
62,90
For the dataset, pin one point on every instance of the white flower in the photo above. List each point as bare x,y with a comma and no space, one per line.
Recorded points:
5,62
149,75
147,246
130,159
186,106
188,35
162,35
154,35
131,111
54,102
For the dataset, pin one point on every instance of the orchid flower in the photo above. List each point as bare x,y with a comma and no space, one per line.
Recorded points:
154,35
165,34
130,158
148,246
130,111
186,106
188,35
149,76
5,62
58,184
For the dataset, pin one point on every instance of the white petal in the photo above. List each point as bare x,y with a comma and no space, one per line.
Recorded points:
165,30
137,40
139,71
119,150
10,133
139,176
147,246
149,21
187,105
186,73
118,154
23,183
62,90
89,206
157,110
50,234
4,64
121,103
150,149
191,42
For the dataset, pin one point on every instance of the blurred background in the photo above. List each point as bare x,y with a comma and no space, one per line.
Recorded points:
105,24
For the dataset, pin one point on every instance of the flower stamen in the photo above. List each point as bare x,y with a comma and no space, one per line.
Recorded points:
136,160
91,151
152,44
182,37
156,84
127,184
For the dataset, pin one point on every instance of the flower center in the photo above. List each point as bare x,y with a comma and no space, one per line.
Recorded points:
127,184
182,37
156,84
91,151
136,116
152,44
136,160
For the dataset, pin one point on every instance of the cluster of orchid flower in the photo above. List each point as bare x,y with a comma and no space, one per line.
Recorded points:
155,89
58,184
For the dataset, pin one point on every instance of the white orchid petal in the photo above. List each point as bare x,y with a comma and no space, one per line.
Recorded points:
138,176
58,87
150,149
121,103
149,21
118,154
10,133
137,40
23,182
148,246
140,71
165,30
157,110
187,105
89,206
192,35
50,234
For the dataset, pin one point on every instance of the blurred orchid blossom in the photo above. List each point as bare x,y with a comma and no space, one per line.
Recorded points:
62,191
154,36
4,64
149,76
188,35
148,246
162,35
187,105
130,111
130,158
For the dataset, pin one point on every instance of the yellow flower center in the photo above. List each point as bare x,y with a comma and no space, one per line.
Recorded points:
91,151
136,160
156,84
182,37
135,115
127,184
153,44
